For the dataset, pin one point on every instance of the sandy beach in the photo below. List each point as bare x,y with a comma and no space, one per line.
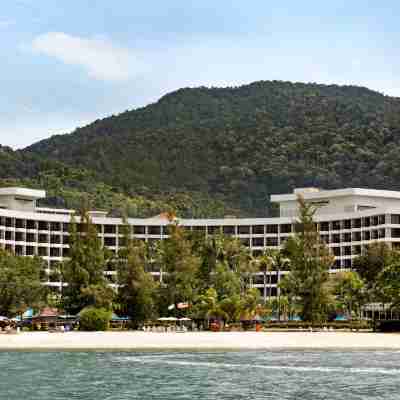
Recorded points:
197,341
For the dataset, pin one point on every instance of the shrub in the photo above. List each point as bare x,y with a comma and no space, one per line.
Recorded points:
94,319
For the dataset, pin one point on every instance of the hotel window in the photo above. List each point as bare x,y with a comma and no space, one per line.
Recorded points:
257,242
243,230
43,238
273,278
20,223
55,226
66,227
395,218
258,279
228,229
9,235
324,226
336,251
55,252
366,222
335,238
213,230
272,241
30,224
357,223
42,251
30,250
356,250
55,239
356,236
65,252
347,250
374,234
336,225
286,228
395,233
154,230
19,237
110,229
258,229
43,226
139,230
381,233
272,229
19,250
110,241
366,235
347,237
347,263
9,222
375,220
347,224
381,219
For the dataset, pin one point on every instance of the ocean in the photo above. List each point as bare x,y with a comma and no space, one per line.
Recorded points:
305,375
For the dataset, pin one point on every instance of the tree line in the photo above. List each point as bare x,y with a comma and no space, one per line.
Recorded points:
202,277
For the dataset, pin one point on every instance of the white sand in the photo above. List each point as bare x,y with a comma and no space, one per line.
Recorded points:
197,341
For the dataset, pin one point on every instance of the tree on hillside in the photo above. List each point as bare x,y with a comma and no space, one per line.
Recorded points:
310,261
83,272
20,283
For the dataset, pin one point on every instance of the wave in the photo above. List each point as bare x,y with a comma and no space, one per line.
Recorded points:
294,368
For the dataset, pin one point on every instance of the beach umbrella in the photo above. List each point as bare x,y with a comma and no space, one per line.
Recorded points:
28,313
115,317
167,319
184,319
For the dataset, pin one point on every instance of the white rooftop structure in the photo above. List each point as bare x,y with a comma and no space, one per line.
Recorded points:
21,199
337,201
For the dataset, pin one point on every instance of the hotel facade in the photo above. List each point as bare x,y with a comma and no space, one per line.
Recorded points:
348,220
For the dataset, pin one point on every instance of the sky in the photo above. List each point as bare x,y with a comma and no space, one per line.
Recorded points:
65,64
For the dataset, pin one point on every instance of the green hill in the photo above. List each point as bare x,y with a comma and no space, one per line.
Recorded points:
234,146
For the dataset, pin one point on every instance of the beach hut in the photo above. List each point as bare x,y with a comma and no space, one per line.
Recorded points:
47,318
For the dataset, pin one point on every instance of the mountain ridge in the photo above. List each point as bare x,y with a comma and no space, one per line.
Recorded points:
236,145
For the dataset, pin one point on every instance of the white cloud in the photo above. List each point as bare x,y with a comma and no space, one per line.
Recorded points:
101,58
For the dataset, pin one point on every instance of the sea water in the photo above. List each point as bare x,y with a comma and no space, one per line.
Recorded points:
200,375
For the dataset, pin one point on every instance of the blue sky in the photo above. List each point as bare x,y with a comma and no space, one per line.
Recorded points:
67,63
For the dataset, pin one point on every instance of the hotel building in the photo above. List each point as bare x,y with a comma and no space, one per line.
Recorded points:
348,220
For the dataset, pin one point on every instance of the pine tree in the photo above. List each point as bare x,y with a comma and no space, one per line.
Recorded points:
83,272
136,287
310,261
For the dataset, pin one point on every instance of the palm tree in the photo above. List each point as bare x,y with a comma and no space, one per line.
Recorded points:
264,263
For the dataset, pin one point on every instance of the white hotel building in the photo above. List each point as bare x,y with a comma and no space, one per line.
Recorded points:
348,220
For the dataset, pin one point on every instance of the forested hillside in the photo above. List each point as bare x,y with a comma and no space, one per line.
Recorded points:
223,149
